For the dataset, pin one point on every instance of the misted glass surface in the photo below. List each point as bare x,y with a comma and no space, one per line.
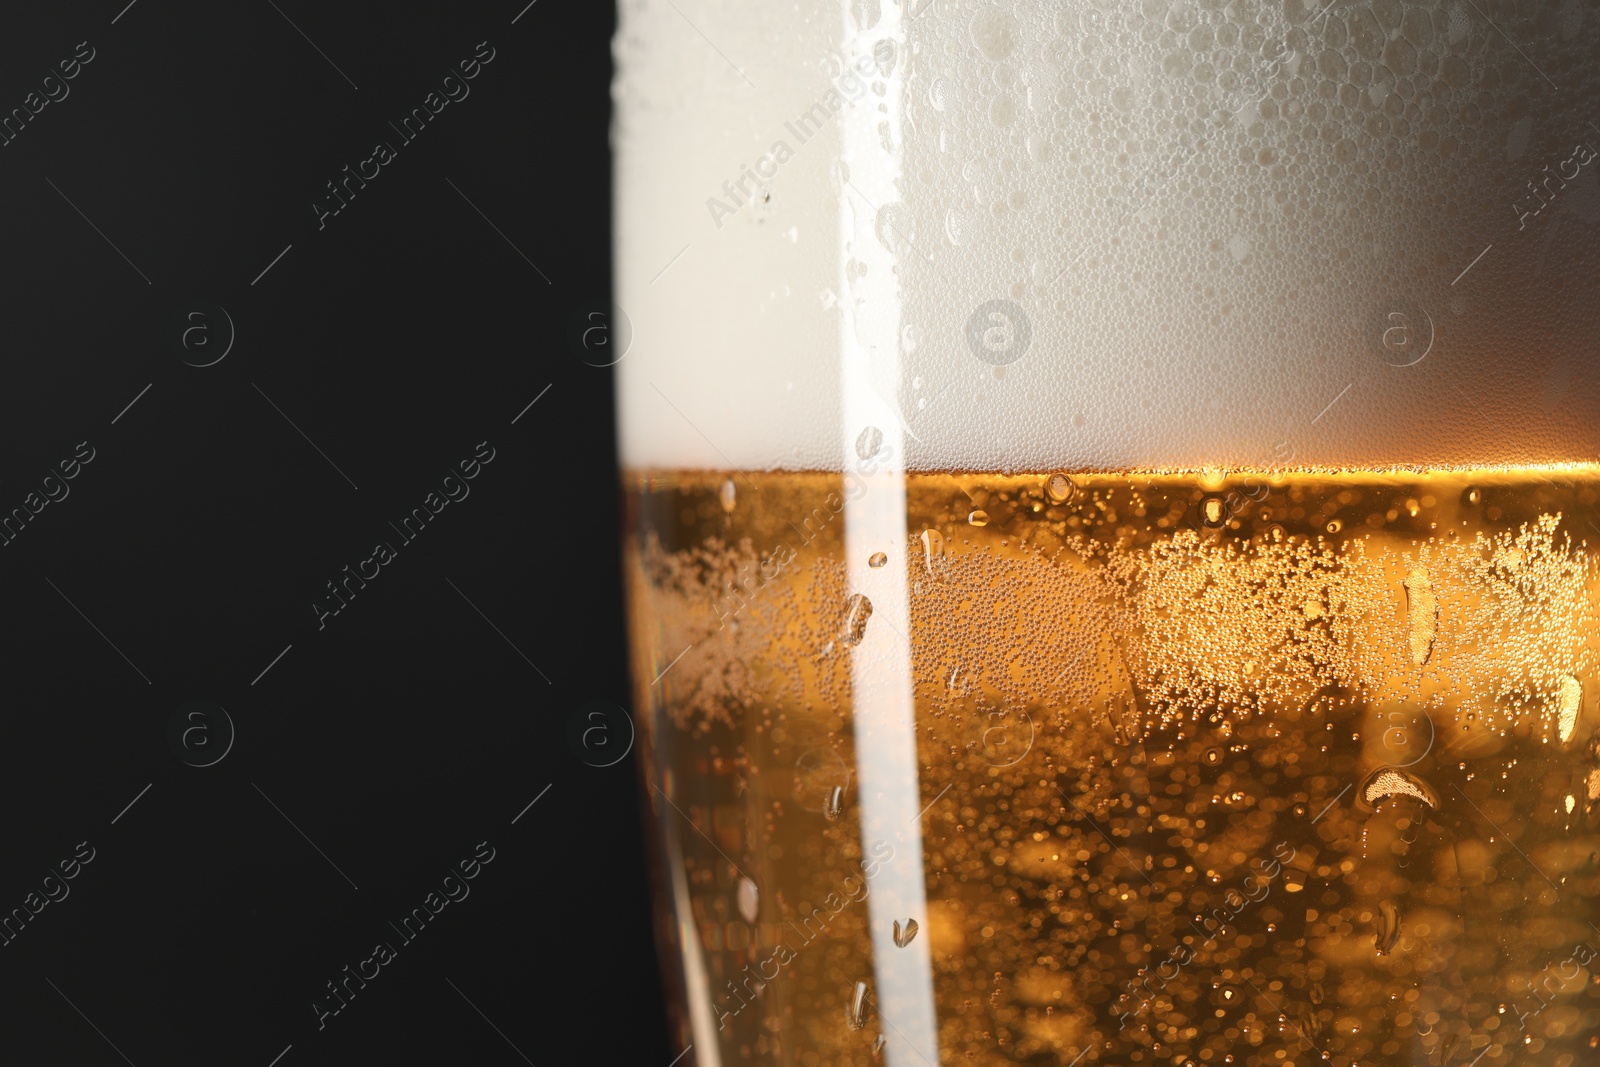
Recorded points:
1271,770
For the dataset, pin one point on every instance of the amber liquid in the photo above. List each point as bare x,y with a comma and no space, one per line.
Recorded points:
1246,770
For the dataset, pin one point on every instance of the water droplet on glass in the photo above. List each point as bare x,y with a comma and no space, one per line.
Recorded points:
1567,708
978,518
883,54
955,226
1387,782
904,934
878,559
895,228
856,1018
728,495
1423,611
932,550
868,442
1387,930
1059,488
748,899
858,609
834,805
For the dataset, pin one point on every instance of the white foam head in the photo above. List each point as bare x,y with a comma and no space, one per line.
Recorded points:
1202,233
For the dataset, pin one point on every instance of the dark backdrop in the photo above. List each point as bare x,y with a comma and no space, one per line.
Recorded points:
173,528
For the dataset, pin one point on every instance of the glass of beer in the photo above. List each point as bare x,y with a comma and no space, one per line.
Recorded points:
1110,487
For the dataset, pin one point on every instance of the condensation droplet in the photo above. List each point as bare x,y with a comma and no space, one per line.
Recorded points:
1059,488
883,54
1423,612
978,517
895,229
748,898
1386,782
833,806
728,495
955,226
856,1017
878,559
868,442
1567,708
858,609
904,934
1387,927
932,551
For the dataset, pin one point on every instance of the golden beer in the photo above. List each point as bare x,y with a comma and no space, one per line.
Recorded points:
1280,768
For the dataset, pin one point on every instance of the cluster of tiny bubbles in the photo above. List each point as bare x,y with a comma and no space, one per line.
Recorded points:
1218,150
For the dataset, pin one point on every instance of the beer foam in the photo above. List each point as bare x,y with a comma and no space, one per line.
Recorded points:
1131,234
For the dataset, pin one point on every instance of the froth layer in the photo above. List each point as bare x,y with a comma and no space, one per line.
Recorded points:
1109,235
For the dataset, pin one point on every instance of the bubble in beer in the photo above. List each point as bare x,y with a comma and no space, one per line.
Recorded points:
877,560
748,899
868,442
1059,488
978,517
858,609
1422,609
728,495
856,1016
904,934
1213,511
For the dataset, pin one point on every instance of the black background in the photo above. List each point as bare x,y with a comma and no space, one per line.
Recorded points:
187,155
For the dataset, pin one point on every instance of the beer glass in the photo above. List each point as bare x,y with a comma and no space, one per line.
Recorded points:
1110,489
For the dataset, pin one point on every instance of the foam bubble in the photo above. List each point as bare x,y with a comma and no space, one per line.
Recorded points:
1238,234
